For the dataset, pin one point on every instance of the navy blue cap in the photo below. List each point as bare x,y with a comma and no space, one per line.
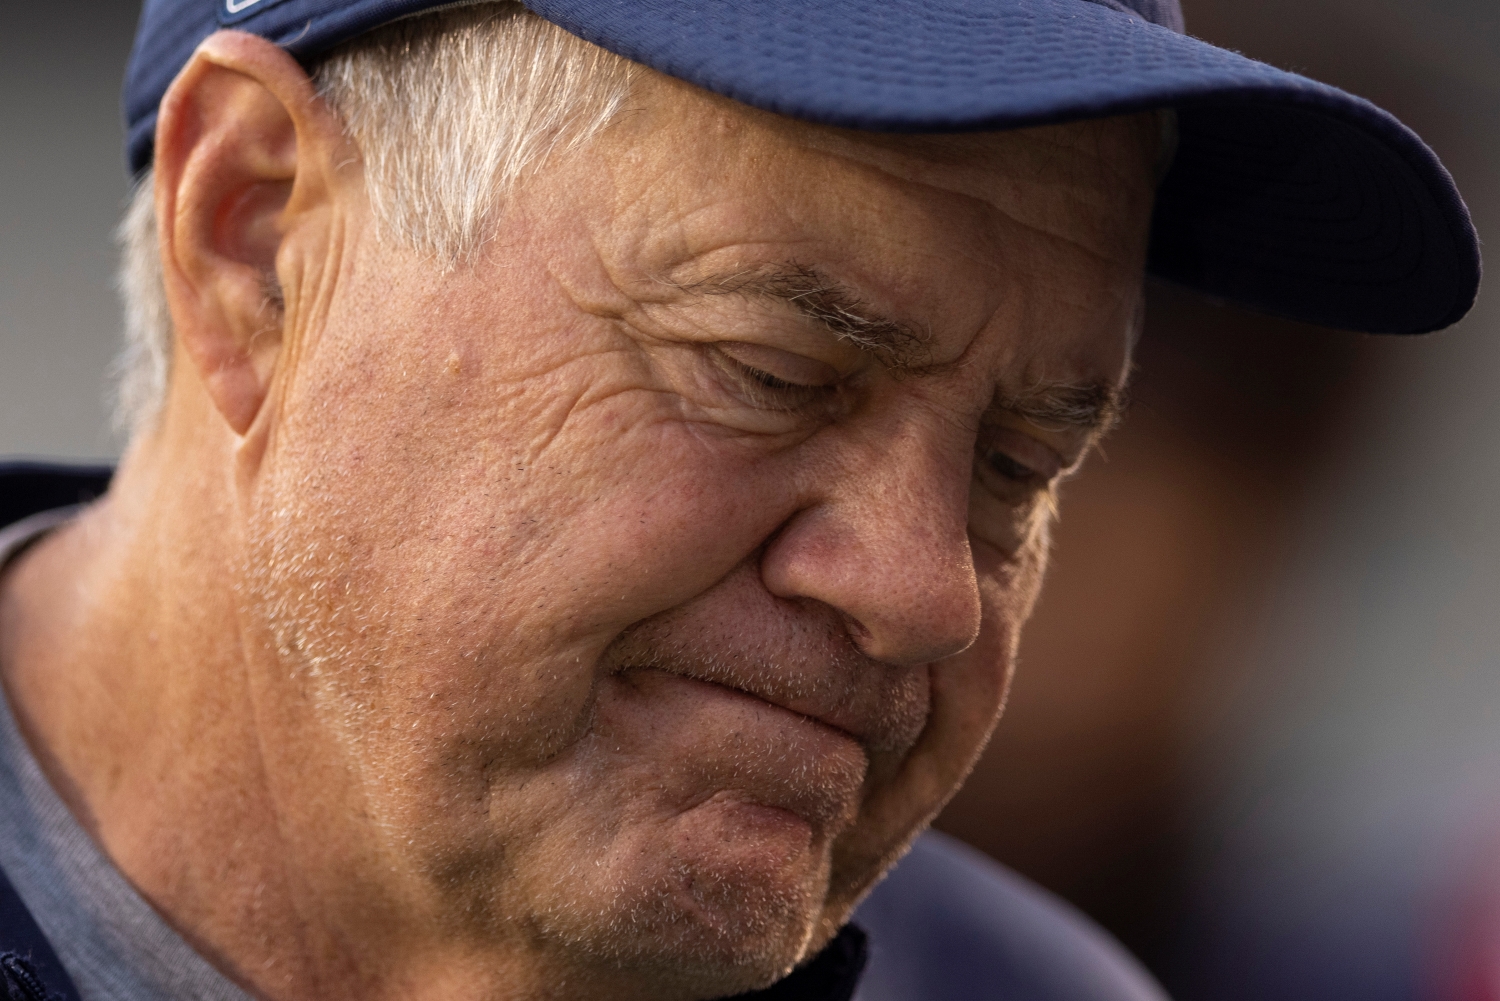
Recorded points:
1286,195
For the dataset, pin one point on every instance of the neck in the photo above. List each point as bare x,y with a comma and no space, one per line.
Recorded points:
121,659
124,660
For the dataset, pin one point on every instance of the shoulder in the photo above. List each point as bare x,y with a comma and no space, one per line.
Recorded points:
29,488
948,923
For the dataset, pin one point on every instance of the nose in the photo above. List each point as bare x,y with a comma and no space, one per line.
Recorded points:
885,542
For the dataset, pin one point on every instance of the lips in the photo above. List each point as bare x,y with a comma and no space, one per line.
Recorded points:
811,670
839,719
698,743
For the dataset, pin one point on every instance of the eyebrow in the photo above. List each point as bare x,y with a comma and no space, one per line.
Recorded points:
829,303
1091,407
1095,407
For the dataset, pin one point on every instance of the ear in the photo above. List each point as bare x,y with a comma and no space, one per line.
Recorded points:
245,157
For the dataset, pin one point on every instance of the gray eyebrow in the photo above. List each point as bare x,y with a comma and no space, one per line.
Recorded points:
829,303
1095,407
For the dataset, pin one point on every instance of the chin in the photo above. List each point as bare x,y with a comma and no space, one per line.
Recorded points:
728,901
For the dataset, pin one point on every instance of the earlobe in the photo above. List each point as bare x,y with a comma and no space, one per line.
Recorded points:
241,147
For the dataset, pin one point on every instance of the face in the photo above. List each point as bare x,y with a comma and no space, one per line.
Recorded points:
627,597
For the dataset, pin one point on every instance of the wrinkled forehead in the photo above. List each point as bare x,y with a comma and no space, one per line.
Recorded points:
998,246
1094,178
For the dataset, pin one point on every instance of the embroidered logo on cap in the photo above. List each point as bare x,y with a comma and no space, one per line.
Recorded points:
233,11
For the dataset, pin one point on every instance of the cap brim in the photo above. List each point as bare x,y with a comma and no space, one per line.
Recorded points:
1287,195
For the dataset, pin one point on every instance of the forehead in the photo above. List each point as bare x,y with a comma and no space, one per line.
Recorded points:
1090,182
1028,243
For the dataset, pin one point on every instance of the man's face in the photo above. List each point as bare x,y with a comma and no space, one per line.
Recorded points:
629,596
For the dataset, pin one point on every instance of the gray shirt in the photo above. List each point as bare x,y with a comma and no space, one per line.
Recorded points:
113,944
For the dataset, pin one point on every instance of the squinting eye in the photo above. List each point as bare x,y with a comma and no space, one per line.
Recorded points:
1014,467
1013,478
777,369
1009,467
761,389
770,381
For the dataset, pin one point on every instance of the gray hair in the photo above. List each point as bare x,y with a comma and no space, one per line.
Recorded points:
449,111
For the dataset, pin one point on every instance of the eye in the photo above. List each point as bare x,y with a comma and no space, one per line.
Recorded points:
1012,489
1010,483
1013,465
772,379
1008,467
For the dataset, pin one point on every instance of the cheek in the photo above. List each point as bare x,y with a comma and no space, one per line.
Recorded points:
441,561
966,696
1009,585
969,690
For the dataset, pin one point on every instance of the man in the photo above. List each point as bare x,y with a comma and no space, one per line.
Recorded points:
590,469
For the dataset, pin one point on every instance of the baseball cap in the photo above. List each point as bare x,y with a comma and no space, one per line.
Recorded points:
1286,195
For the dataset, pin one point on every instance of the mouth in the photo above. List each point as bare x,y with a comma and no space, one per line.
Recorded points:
833,707
825,717
707,744
807,671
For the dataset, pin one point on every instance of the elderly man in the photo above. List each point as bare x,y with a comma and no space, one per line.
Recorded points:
590,468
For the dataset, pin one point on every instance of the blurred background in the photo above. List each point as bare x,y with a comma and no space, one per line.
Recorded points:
1256,730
